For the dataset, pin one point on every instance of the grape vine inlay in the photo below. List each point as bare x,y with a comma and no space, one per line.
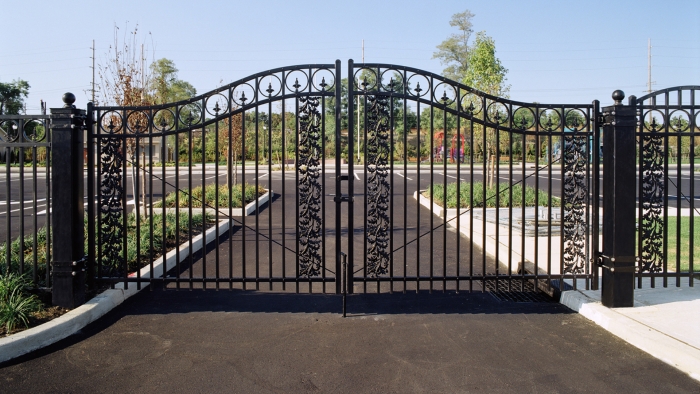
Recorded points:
575,201
310,225
376,165
652,223
111,210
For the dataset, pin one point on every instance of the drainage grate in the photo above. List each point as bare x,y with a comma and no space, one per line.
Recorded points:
516,290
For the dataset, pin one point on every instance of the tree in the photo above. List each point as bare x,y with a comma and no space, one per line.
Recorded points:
124,81
485,71
12,96
166,86
454,51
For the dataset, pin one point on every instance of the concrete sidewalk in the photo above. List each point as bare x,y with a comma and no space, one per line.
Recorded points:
664,322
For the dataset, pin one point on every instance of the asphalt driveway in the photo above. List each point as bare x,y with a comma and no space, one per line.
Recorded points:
235,341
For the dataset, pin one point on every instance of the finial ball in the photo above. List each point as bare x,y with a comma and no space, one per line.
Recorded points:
618,96
68,99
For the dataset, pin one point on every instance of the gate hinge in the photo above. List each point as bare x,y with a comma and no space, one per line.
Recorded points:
79,121
78,266
619,259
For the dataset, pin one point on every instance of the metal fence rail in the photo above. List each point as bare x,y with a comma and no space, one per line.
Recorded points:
25,153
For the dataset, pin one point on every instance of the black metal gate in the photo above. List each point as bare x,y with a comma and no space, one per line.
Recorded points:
466,191
666,135
512,200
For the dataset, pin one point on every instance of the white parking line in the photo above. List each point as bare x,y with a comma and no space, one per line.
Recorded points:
25,201
449,176
44,211
25,208
682,197
403,176
356,177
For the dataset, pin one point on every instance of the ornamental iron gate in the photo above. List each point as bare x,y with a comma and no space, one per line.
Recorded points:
224,145
458,190
666,132
500,237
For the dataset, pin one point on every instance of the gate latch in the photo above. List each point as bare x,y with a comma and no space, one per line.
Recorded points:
343,198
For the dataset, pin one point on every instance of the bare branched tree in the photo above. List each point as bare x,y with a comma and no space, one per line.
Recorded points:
125,79
230,140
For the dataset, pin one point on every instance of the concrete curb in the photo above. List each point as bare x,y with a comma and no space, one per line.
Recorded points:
62,327
658,344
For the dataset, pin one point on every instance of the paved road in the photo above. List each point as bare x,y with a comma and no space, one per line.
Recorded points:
249,342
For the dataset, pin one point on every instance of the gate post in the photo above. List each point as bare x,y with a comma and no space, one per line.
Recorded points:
67,203
619,177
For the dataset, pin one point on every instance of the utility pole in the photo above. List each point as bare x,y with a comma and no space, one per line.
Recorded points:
649,82
358,107
143,77
93,70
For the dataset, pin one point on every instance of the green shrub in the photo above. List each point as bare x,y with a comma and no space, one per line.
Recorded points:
439,197
29,249
16,303
135,258
210,196
150,245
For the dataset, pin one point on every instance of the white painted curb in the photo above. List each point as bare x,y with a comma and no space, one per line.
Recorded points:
247,211
658,344
62,327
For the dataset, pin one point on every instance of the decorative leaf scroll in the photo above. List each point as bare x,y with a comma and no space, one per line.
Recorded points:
652,224
310,224
377,162
575,201
111,209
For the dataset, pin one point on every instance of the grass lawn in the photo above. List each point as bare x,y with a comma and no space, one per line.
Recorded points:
683,247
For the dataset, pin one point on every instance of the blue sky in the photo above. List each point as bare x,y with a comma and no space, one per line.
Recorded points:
556,51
